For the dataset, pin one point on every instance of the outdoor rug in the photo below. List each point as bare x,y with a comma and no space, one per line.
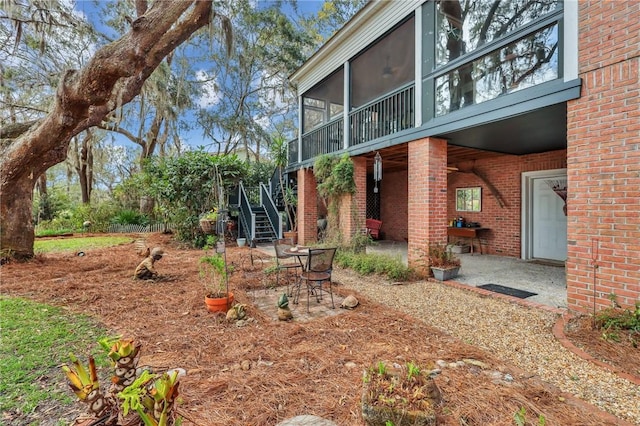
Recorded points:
497,288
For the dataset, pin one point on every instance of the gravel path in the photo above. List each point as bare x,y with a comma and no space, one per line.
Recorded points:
517,334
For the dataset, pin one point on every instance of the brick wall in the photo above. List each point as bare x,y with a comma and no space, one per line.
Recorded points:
307,207
603,156
501,213
427,218
353,207
504,172
393,205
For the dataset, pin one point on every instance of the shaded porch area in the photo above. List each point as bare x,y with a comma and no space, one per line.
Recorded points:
547,280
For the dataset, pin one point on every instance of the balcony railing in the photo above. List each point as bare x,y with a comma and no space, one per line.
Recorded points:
323,140
383,116
379,118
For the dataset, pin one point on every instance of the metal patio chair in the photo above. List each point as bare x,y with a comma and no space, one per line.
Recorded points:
316,272
289,265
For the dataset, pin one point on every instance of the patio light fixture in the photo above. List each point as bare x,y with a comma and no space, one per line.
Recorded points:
377,170
386,71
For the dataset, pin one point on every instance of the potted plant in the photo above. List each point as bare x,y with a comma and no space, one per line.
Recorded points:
213,272
443,263
208,221
397,394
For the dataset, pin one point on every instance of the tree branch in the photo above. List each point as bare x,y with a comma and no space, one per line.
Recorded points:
112,78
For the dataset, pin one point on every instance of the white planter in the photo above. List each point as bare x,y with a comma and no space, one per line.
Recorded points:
463,248
241,242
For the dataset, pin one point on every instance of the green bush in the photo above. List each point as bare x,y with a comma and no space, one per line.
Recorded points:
373,263
619,319
130,217
186,186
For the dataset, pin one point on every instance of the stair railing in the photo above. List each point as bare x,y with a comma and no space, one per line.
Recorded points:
270,208
247,218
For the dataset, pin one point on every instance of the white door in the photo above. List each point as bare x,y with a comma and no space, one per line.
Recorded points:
549,233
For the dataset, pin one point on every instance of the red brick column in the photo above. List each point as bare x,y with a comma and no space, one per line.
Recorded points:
603,160
307,207
427,216
353,208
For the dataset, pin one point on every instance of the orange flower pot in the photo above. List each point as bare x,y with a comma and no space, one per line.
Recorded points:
222,304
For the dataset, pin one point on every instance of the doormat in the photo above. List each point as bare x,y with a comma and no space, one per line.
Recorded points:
497,288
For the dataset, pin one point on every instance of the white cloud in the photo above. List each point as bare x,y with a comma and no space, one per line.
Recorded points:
210,95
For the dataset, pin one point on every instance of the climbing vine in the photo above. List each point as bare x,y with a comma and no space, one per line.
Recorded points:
335,178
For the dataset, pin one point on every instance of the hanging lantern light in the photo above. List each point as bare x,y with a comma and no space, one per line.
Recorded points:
377,170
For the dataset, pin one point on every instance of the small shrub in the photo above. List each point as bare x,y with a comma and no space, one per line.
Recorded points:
373,263
619,319
613,320
440,257
130,217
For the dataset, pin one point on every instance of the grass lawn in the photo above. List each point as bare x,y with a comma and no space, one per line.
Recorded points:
78,244
36,340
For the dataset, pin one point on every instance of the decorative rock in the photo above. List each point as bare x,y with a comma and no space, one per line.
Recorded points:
441,363
237,312
476,363
434,372
307,420
284,314
350,364
349,302
232,315
495,375
181,372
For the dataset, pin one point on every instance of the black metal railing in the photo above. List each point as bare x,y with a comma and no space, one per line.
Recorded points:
379,118
276,192
247,219
271,210
383,117
323,140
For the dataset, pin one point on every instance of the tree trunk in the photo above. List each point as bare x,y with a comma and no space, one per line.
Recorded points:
16,228
112,78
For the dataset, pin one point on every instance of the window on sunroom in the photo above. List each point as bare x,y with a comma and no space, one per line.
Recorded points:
520,51
463,26
324,102
527,62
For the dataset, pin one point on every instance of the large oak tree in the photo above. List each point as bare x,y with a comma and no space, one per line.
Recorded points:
113,77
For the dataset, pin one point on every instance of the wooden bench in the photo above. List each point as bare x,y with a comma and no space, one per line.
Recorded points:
373,228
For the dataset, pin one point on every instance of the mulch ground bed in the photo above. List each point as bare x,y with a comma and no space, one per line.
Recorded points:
265,371
618,348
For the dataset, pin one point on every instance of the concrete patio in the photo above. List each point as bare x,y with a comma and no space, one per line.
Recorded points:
546,279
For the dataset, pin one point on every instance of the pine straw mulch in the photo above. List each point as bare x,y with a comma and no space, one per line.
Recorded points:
614,347
268,371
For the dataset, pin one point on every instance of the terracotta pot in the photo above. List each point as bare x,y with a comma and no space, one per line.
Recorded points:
222,304
291,235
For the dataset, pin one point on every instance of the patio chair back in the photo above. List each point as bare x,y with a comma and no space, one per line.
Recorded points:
320,260
280,246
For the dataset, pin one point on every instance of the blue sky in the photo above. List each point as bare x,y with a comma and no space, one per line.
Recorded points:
194,138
